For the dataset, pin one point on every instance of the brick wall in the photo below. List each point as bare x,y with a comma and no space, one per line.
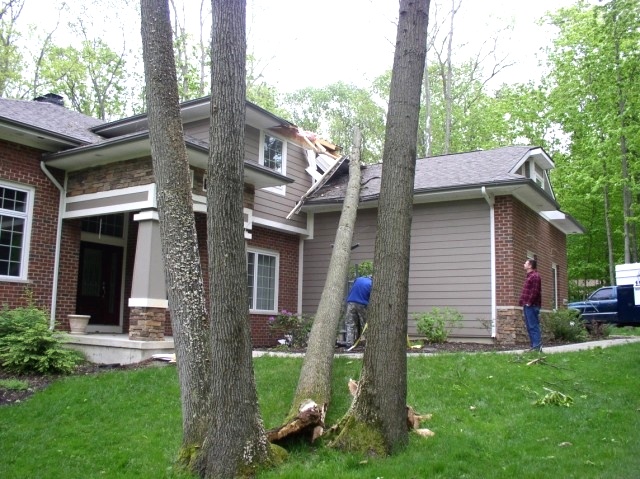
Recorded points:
519,230
21,164
285,244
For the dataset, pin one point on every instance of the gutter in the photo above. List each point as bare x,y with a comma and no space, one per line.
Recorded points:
494,308
56,263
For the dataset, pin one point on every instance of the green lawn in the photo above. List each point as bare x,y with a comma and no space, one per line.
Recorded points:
126,424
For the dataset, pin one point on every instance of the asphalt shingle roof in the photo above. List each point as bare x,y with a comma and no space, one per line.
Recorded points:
448,171
51,118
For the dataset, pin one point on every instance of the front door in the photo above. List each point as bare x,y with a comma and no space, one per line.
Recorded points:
99,283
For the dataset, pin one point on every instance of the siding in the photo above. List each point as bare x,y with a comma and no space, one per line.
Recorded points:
450,260
274,206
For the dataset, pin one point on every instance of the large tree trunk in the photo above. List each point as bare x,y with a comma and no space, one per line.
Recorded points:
380,404
315,378
236,442
183,273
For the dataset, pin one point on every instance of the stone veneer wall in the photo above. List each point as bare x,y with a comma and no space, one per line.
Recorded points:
147,324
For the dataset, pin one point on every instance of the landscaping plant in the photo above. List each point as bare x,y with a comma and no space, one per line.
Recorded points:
28,345
435,324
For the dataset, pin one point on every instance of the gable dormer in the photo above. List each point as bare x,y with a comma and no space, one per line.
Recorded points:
536,166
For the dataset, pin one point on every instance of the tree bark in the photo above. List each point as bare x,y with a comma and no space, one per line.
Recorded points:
236,442
380,404
183,272
315,377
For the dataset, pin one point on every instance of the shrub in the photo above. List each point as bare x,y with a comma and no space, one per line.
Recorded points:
27,344
365,268
295,328
435,324
564,325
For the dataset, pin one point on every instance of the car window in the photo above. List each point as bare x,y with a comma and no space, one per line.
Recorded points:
604,293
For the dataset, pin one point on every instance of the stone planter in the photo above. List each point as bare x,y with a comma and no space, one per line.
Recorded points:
78,323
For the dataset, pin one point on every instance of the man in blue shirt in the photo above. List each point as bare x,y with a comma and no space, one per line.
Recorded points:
357,302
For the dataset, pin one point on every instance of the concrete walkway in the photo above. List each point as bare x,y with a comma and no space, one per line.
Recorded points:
603,343
565,348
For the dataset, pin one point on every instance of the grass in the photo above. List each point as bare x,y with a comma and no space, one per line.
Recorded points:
625,331
126,424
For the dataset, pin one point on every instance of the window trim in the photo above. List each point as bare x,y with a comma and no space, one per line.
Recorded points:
281,189
26,240
276,255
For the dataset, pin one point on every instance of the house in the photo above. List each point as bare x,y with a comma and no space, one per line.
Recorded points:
80,225
477,217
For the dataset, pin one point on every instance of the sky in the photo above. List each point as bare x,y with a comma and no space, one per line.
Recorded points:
313,43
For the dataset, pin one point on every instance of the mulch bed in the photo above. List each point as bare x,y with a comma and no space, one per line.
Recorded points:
38,382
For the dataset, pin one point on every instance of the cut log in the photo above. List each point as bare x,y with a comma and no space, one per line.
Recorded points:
307,425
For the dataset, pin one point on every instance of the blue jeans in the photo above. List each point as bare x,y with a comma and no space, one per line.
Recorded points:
532,322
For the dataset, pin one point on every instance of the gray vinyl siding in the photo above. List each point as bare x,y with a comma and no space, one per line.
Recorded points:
267,205
198,129
274,206
450,261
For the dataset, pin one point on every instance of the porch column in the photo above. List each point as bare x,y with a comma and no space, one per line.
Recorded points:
148,302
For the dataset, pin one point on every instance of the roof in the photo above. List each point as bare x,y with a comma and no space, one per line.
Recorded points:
459,176
459,170
48,118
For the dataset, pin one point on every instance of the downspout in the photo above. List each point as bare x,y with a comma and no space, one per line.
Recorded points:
490,201
56,263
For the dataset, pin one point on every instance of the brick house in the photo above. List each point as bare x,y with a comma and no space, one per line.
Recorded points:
477,217
80,225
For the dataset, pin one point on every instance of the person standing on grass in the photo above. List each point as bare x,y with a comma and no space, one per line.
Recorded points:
357,302
531,301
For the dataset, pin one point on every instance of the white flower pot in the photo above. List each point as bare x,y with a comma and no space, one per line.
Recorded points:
78,323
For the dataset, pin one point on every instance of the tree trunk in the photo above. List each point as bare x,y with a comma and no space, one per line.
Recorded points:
236,442
183,272
448,97
315,377
380,404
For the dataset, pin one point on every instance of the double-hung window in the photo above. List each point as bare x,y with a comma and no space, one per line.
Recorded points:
262,280
273,155
16,206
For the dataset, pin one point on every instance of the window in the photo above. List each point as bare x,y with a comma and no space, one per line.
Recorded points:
105,225
15,227
262,280
273,155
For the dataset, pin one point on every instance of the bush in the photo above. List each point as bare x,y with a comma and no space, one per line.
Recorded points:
564,325
27,345
435,324
365,268
295,328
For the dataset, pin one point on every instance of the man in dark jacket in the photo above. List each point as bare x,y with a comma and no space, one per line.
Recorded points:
531,301
357,303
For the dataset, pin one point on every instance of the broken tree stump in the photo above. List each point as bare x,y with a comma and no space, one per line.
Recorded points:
307,425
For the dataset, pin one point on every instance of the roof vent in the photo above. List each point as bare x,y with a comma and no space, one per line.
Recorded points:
51,98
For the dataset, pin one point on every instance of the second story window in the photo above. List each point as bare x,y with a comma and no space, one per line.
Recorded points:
273,155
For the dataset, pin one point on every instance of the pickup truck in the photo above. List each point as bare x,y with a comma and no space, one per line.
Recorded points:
610,304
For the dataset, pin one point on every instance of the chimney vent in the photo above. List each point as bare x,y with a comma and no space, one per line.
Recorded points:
50,98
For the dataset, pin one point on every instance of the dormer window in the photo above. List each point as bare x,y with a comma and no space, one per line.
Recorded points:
273,155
